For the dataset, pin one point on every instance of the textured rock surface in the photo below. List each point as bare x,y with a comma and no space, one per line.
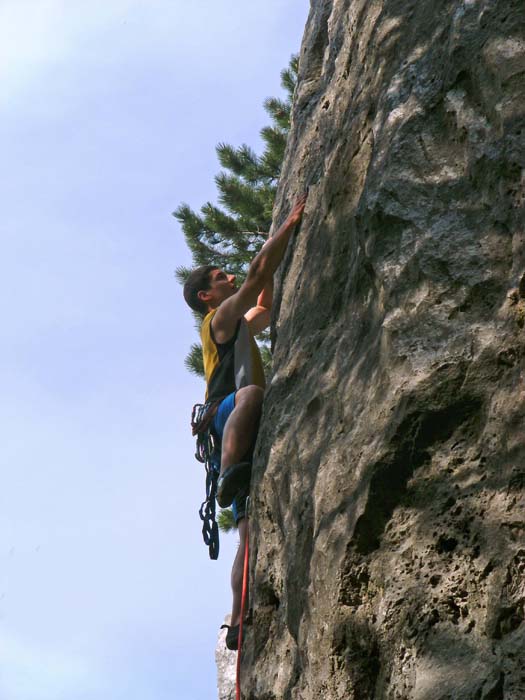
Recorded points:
226,666
388,517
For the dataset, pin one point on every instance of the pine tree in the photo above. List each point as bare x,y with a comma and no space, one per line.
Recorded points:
231,236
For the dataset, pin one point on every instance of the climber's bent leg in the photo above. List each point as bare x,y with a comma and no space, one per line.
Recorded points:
241,427
235,424
237,572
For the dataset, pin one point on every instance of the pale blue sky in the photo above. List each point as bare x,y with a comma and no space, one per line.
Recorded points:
110,115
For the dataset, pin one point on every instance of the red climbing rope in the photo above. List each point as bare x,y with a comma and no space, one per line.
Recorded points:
243,603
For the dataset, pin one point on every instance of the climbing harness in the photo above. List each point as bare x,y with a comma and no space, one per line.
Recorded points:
243,605
208,453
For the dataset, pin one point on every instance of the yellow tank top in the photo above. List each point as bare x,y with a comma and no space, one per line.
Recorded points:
232,365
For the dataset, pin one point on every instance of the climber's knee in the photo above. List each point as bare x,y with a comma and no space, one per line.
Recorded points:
251,396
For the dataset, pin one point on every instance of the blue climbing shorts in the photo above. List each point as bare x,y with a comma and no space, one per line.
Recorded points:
226,407
217,427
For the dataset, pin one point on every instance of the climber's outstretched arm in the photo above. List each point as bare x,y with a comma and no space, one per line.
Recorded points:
260,274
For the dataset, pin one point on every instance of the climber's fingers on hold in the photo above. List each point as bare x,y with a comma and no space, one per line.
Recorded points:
298,207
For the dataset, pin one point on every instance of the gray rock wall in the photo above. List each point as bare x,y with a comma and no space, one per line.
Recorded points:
388,552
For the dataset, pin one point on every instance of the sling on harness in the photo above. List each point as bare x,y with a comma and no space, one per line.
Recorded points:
208,453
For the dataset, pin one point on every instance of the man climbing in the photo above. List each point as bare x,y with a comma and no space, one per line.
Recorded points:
234,373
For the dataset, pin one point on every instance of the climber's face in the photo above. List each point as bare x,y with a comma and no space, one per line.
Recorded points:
222,286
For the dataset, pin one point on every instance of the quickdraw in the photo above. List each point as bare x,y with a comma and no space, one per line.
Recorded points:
207,452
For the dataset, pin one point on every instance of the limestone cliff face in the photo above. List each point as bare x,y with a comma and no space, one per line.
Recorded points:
388,548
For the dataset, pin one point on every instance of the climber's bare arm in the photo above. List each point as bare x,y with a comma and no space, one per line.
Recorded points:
258,316
260,274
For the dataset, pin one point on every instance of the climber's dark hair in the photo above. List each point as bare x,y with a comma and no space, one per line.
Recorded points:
198,281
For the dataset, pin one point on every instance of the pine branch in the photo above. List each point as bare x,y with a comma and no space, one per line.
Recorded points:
226,521
243,200
240,161
279,111
182,273
217,220
194,362
289,76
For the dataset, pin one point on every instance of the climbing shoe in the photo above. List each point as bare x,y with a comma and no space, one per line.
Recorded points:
231,482
232,637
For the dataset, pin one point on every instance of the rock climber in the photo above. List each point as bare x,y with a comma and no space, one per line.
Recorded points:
234,374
